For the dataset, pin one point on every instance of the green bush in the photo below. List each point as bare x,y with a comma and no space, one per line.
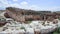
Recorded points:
57,31
22,27
59,18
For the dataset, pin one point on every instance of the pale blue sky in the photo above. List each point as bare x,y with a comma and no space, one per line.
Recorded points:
53,5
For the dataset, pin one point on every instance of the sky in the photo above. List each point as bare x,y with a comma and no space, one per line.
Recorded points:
51,5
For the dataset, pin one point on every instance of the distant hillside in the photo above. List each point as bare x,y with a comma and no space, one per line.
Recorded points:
27,12
23,15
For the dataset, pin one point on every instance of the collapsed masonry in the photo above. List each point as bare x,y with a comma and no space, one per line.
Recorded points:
22,15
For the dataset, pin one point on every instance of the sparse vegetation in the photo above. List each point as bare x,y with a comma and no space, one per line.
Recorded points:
59,18
29,22
57,31
22,27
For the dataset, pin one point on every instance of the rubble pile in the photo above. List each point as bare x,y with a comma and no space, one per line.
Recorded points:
14,22
35,27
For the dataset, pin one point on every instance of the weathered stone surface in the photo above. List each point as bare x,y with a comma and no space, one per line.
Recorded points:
22,15
6,15
2,23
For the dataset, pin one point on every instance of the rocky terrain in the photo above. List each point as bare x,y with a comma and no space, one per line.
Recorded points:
22,15
13,21
33,27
